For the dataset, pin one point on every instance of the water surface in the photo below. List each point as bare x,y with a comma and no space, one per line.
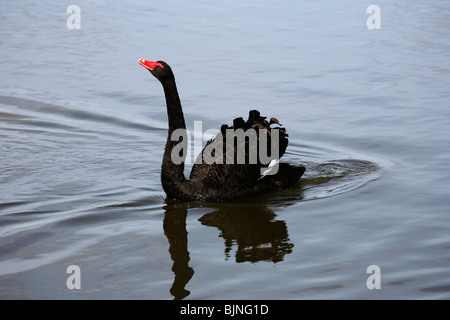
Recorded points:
83,128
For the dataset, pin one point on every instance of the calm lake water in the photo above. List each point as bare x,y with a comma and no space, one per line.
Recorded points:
83,128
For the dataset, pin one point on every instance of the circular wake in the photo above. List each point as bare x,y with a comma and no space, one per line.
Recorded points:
337,176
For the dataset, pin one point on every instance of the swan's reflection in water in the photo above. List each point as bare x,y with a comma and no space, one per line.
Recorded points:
249,228
175,230
254,231
252,228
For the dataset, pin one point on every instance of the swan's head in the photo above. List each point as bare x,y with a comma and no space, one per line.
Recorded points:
159,69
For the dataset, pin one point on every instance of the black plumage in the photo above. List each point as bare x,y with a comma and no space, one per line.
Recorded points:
221,181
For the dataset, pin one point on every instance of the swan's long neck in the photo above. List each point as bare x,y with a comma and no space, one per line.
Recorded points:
172,174
174,110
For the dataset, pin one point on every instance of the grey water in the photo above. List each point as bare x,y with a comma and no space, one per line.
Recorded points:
83,128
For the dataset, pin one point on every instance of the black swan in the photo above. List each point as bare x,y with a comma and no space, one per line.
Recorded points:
220,181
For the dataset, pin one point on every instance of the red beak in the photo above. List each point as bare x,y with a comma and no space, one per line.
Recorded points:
150,65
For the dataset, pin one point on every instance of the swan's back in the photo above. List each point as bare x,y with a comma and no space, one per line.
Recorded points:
232,180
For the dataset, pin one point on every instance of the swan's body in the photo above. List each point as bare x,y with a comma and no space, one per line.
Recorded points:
218,182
